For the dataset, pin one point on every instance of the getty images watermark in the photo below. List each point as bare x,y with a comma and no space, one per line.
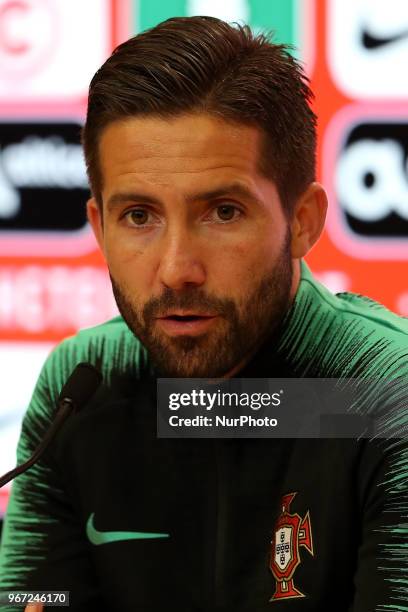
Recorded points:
280,408
207,401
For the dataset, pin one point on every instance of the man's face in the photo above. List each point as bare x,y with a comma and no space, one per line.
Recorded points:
195,238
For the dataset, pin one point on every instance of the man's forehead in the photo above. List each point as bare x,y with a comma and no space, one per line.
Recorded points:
151,142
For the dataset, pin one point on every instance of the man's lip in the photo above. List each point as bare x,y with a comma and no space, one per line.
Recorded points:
203,315
196,326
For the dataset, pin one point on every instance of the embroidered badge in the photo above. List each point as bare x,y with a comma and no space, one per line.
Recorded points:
291,532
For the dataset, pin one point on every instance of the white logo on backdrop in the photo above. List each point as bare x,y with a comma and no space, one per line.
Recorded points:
51,48
368,47
387,190
38,162
27,35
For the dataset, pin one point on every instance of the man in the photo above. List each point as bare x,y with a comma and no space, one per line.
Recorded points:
200,148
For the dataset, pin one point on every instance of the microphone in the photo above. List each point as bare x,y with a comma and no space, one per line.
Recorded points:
77,391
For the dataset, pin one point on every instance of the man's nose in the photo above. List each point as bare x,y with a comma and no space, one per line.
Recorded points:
181,262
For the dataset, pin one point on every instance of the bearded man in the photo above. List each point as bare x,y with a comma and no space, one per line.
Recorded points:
200,148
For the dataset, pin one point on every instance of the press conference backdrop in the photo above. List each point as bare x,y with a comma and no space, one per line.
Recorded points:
52,278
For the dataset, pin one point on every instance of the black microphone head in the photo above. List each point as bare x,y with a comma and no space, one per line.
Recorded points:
81,385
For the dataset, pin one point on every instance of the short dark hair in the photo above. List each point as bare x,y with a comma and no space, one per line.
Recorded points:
202,64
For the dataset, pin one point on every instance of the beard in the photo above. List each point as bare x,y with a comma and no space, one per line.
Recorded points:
241,328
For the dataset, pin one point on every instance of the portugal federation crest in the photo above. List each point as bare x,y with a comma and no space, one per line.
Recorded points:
291,533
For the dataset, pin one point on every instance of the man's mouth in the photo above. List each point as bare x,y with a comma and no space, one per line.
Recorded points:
186,316
191,324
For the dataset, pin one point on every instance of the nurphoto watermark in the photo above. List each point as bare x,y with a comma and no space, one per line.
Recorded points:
281,408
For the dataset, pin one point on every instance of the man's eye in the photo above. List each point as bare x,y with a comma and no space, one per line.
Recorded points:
226,212
138,216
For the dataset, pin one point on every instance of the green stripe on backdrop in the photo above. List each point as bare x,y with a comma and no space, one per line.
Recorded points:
278,15
148,13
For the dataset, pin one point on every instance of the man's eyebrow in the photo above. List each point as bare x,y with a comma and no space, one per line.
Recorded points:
133,196
232,189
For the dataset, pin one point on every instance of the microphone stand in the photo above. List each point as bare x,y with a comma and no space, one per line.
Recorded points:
78,389
65,407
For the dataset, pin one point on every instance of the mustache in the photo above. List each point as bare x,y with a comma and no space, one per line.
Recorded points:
186,299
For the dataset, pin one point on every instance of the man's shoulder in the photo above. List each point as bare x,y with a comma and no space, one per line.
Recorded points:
377,337
361,312
373,316
110,346
107,334
347,333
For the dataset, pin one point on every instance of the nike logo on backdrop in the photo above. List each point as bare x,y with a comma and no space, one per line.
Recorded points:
106,537
374,42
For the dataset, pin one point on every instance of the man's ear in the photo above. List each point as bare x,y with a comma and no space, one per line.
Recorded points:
94,214
308,220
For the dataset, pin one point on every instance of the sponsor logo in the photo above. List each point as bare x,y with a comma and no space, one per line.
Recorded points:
366,173
291,533
37,51
28,36
371,180
97,537
374,42
366,40
43,189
